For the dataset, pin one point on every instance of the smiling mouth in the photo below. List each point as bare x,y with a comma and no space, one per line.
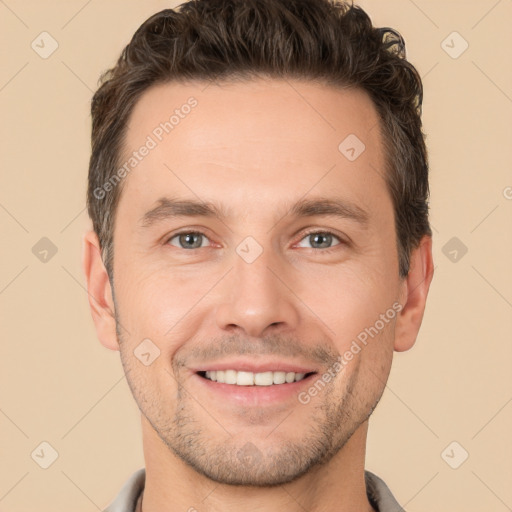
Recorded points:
240,378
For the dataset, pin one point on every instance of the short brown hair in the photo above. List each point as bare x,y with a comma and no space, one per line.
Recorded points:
330,42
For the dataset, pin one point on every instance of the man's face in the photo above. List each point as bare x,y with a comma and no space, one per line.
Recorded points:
255,289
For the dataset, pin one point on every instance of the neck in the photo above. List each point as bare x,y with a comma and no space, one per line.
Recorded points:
338,485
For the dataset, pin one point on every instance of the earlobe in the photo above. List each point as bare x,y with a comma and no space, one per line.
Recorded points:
414,295
99,291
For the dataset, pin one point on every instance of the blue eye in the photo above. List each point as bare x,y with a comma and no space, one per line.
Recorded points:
322,238
189,239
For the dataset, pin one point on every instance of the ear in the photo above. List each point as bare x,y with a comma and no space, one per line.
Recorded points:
99,291
413,295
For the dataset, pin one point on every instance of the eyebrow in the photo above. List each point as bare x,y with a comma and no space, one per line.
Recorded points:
333,207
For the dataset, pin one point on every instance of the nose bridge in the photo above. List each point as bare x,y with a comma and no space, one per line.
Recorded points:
253,272
254,296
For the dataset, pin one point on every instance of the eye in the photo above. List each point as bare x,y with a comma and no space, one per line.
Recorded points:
194,240
321,239
188,240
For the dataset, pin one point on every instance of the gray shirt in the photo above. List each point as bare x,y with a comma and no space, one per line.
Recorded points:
129,499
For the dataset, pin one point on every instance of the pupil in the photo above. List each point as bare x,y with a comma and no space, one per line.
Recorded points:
189,238
320,236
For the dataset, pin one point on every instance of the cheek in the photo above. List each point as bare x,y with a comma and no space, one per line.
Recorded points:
357,305
162,306
349,299
152,385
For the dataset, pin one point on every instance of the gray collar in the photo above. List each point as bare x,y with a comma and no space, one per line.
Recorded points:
379,495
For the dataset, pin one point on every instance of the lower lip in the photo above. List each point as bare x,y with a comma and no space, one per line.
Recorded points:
255,395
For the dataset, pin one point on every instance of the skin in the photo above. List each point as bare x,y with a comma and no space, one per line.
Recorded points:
256,148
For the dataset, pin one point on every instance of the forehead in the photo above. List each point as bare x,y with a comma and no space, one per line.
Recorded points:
283,108
249,140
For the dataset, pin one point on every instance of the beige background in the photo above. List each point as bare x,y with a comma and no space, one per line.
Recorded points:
59,385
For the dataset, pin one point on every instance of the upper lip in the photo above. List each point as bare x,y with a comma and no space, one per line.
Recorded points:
260,366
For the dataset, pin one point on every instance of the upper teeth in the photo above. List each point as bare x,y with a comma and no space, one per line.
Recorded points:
251,379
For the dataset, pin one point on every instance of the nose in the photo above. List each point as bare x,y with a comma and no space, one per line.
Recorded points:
257,298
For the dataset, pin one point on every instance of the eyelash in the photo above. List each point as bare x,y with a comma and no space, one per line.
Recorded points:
308,233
